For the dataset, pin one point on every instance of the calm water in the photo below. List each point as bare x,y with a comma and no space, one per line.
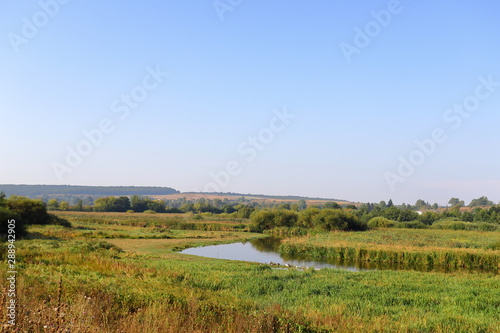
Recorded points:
264,250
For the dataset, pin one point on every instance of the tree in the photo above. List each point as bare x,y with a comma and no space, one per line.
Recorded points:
456,201
138,204
390,203
122,204
302,204
421,204
156,205
88,201
482,201
284,205
244,212
104,204
79,205
64,205
428,217
3,201
331,205
53,204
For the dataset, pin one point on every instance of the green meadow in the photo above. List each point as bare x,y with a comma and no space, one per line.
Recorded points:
118,272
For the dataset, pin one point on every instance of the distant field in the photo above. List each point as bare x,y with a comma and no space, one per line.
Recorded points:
254,198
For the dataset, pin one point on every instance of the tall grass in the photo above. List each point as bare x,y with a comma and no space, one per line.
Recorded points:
422,260
416,249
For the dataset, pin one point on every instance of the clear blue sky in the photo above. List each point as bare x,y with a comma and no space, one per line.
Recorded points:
64,69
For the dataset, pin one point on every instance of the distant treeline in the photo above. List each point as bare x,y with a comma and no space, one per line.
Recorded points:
351,218
41,191
327,216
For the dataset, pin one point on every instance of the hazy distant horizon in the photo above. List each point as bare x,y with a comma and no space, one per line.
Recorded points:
338,198
352,100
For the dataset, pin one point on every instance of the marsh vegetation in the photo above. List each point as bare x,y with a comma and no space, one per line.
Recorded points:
119,272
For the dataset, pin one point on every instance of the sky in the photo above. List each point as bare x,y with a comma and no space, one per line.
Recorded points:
357,100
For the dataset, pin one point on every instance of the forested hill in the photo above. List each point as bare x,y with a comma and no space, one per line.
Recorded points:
47,190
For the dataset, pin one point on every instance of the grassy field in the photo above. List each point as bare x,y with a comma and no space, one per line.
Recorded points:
419,249
137,282
409,238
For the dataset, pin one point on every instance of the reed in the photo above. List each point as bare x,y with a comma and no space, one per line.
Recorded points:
424,259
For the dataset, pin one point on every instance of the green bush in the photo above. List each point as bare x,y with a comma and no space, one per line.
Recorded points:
428,217
381,222
454,224
30,211
7,215
337,219
269,219
149,211
411,225
306,217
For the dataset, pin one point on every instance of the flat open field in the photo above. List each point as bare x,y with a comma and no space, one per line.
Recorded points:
253,198
121,273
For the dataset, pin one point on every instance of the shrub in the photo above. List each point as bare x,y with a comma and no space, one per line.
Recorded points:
5,216
306,217
269,219
485,226
149,211
449,223
381,222
453,224
428,217
411,225
337,219
30,211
